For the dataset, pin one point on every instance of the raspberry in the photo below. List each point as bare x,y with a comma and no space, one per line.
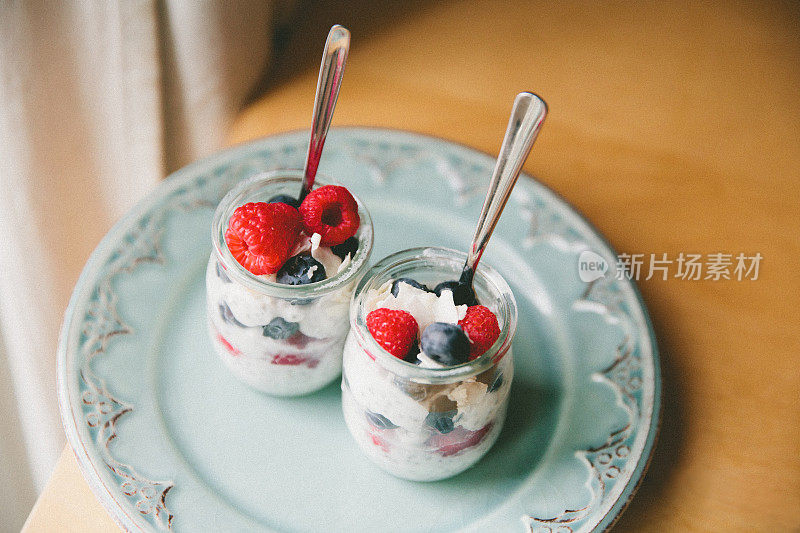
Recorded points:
457,440
228,346
332,212
261,236
379,442
395,330
481,327
294,360
298,340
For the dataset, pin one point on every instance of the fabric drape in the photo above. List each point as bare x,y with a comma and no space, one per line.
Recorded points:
98,101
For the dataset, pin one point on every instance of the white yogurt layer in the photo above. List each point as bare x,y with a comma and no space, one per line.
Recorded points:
323,321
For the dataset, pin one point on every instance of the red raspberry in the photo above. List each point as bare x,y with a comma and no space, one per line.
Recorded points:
481,327
457,440
379,442
261,236
298,340
294,360
393,329
228,346
332,212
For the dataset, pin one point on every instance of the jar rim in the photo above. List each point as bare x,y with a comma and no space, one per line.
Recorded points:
235,197
507,309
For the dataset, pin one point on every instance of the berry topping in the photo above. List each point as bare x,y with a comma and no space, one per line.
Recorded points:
347,247
441,422
408,281
447,344
394,330
284,199
379,421
301,270
332,212
481,327
462,292
261,236
227,315
280,329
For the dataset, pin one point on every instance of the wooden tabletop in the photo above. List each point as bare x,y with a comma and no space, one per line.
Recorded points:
674,128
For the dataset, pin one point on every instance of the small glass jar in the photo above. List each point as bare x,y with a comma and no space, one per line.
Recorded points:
284,340
422,423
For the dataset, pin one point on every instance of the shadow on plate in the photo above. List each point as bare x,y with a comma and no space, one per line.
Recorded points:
670,445
531,420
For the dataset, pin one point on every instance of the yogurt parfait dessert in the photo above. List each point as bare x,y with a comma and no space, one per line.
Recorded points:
427,370
279,280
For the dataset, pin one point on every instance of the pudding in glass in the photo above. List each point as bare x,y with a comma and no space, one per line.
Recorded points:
426,378
279,280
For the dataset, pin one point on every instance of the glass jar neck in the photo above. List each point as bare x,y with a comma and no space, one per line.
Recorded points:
261,188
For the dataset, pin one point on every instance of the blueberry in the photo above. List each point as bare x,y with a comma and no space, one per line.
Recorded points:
221,273
445,343
285,199
227,315
441,422
347,247
497,383
462,292
408,281
280,329
296,270
380,421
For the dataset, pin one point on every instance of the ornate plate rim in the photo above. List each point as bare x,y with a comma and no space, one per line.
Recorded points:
174,181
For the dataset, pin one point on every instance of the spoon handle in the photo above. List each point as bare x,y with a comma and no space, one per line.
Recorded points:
331,71
526,120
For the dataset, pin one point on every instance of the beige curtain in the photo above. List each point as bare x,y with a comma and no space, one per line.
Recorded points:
98,101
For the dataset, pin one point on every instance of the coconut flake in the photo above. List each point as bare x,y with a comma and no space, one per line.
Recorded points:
329,260
447,311
468,393
425,361
345,263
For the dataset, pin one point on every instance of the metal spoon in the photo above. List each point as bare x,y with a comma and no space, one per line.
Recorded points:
526,120
331,71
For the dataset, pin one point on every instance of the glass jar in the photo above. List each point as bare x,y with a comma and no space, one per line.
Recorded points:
426,423
284,340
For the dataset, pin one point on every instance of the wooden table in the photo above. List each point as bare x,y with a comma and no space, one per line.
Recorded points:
674,128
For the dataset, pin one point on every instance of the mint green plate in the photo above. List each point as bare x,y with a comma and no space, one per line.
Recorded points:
168,439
